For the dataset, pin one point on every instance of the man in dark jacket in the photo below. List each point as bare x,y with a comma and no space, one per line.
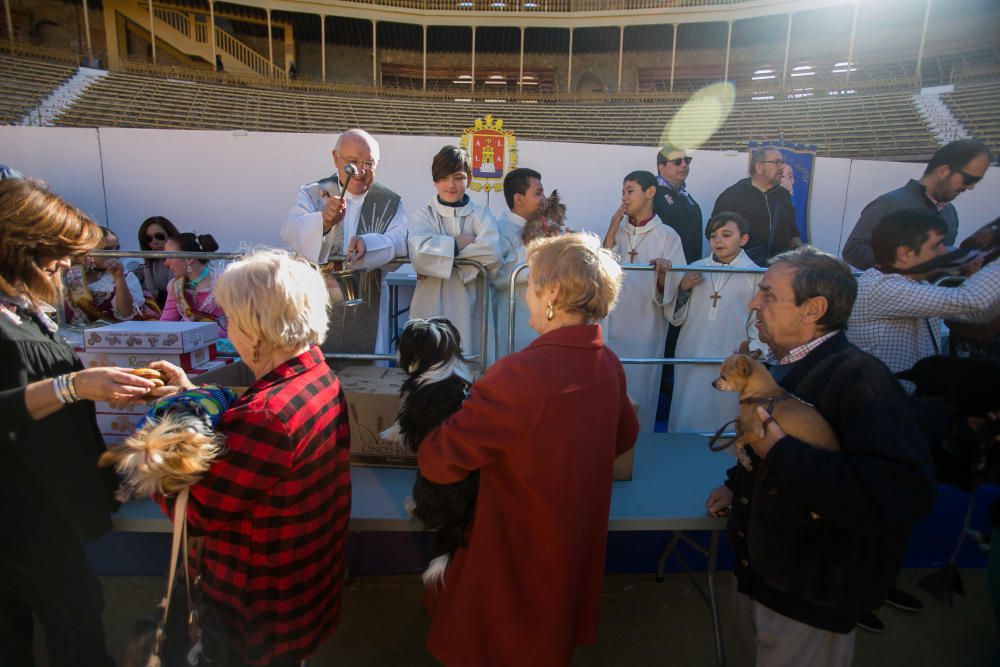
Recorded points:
818,535
674,204
953,169
765,204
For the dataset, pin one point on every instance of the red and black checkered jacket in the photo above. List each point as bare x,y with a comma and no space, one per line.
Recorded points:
274,509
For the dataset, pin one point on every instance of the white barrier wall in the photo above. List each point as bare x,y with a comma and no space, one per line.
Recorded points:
238,186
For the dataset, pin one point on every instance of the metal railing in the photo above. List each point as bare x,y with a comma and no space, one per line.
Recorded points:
642,361
482,275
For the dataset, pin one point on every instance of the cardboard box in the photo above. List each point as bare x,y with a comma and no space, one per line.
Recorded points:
372,395
151,336
118,423
141,358
209,366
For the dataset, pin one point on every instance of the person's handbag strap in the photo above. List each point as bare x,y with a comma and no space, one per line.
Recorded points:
179,541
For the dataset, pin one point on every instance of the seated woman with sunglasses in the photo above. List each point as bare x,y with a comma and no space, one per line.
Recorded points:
153,235
189,292
102,288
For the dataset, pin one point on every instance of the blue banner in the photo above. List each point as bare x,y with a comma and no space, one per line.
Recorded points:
797,179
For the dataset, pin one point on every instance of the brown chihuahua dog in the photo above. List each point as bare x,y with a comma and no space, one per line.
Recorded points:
756,387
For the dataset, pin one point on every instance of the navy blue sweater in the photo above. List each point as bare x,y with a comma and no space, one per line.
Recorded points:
819,536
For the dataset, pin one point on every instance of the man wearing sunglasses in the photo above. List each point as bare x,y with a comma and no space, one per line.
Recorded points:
953,169
674,205
350,214
765,204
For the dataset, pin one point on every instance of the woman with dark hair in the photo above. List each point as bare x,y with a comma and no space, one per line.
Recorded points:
55,497
451,227
190,295
102,288
153,235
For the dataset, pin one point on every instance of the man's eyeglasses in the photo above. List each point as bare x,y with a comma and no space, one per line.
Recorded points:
677,161
967,178
367,165
778,162
156,236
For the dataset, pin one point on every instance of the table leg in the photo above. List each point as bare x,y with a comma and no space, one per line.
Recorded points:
713,554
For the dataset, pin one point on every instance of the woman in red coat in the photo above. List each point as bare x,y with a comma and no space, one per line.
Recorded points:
543,426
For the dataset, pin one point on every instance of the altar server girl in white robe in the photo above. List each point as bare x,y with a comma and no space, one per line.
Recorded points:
451,227
711,309
638,325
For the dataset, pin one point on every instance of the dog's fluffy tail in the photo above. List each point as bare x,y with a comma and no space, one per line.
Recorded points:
433,576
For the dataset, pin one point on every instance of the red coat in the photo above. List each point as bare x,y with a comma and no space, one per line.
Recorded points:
544,426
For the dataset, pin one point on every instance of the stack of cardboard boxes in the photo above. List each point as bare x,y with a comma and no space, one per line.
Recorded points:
189,345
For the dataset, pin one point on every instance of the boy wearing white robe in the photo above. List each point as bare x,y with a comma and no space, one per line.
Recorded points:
638,325
451,227
523,192
712,311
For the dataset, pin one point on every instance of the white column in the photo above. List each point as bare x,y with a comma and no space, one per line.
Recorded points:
569,75
729,42
788,47
850,46
86,33
473,85
322,46
152,32
673,58
211,29
520,75
424,86
374,53
270,41
923,38
621,53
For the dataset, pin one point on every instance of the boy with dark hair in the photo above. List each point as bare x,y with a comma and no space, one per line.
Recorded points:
448,228
638,325
523,192
898,315
712,307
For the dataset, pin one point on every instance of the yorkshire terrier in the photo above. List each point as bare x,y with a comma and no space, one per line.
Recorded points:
174,445
548,220
430,352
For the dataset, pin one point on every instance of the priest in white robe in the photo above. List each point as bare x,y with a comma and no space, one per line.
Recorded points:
711,309
638,325
451,227
367,224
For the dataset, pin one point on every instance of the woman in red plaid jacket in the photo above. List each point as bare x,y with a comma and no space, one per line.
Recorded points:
275,505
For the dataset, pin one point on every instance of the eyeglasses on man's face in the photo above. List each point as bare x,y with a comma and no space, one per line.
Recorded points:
680,160
155,236
967,178
778,162
368,165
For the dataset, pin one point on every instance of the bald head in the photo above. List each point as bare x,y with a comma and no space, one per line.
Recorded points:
359,148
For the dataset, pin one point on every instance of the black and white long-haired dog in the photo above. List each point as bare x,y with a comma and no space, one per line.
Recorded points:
430,352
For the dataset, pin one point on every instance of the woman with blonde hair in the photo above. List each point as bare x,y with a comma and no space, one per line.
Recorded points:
274,507
54,495
543,427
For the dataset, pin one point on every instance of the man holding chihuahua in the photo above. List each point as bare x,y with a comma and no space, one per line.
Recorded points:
349,214
818,536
